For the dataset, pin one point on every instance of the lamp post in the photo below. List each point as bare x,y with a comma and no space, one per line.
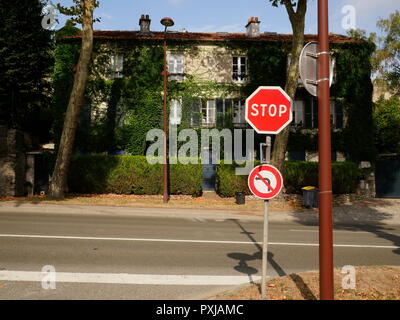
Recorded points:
166,22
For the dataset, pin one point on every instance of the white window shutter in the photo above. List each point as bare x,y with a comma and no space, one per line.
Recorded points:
175,116
179,65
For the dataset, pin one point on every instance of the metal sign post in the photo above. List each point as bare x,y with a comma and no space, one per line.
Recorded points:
268,110
325,168
265,231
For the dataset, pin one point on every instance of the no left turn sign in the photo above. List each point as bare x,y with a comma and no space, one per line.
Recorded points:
265,181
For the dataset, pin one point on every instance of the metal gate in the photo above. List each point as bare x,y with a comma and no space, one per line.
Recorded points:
387,177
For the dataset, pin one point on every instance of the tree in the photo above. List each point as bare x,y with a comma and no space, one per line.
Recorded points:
66,56
83,13
387,57
296,11
387,125
25,65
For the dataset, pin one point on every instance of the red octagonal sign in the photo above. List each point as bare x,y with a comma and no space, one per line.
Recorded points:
269,110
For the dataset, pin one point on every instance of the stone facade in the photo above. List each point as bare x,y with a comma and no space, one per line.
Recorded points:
209,63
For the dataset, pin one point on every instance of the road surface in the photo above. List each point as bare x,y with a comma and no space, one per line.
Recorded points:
122,257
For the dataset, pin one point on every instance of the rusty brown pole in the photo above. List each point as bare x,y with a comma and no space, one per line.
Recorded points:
325,165
165,168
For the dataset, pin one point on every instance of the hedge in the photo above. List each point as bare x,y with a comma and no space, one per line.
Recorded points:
131,175
345,178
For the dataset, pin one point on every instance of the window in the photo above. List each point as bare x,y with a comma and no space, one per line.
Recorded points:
208,113
230,111
297,155
176,66
311,113
175,114
224,112
116,65
194,107
336,115
339,116
239,112
332,113
217,113
298,113
307,111
239,69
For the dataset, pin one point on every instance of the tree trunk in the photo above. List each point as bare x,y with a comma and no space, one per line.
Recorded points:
58,185
297,20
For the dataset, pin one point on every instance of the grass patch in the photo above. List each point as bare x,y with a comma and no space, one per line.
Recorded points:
372,283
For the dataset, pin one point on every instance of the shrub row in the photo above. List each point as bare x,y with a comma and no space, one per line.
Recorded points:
345,178
131,175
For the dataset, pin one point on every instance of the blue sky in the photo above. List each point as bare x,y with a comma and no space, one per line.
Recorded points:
231,15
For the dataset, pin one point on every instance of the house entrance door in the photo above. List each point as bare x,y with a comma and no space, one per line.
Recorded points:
209,169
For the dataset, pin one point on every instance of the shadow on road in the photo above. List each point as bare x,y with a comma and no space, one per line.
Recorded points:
244,258
367,218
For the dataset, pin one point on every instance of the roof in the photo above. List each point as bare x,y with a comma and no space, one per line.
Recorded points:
219,36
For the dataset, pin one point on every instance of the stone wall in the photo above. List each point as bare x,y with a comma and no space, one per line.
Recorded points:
337,199
13,145
366,187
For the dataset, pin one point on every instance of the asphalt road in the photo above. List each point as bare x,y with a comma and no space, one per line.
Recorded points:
121,257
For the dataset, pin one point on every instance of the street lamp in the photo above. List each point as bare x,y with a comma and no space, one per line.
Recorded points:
166,22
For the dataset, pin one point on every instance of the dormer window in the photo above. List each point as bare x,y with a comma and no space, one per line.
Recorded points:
176,66
116,65
239,68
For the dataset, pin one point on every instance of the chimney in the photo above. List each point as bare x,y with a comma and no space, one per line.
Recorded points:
253,27
144,23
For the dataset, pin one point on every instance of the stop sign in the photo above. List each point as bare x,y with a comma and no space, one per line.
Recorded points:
269,110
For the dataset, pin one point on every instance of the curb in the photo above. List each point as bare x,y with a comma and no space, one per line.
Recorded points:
17,207
341,215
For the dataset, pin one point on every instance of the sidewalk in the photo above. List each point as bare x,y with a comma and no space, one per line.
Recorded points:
373,212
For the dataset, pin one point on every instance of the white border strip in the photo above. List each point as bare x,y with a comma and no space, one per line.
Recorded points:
193,241
124,278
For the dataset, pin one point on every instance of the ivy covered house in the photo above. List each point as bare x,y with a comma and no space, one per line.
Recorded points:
211,74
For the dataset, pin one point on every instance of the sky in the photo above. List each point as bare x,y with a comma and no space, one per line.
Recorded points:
232,15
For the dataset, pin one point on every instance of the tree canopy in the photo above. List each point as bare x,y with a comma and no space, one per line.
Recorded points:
387,59
387,125
25,65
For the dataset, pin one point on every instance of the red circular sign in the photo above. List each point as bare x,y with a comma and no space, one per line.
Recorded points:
269,110
265,181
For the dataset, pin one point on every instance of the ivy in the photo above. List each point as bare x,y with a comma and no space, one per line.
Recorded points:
267,65
135,102
353,89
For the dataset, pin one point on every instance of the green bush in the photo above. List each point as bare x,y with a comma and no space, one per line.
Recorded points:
131,175
345,177
300,174
227,182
